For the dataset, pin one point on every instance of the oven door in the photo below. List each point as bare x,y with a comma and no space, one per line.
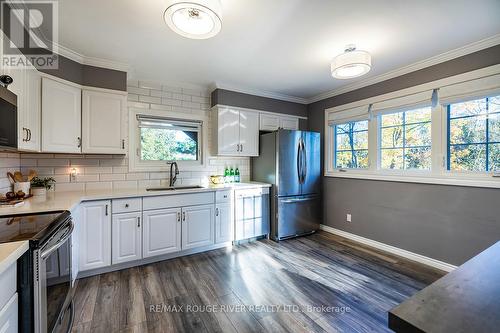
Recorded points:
53,291
8,125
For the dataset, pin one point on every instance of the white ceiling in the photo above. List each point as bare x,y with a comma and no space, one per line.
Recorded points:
280,46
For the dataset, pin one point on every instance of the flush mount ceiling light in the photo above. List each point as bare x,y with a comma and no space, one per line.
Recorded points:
196,19
351,63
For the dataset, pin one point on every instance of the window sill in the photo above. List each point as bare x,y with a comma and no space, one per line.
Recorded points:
486,182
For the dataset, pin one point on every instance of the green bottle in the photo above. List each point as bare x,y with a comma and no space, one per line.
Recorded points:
226,175
237,175
231,175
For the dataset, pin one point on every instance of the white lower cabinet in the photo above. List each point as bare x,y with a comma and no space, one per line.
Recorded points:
197,226
161,232
9,322
126,237
95,235
223,223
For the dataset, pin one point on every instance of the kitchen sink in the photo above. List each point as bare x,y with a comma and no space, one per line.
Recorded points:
168,188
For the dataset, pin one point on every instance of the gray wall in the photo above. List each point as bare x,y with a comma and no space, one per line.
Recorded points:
89,75
448,223
233,98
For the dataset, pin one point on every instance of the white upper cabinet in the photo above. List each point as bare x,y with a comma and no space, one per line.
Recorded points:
269,122
31,115
289,123
61,117
249,133
228,131
236,132
103,122
273,122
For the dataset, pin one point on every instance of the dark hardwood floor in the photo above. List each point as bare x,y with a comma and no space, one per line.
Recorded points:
319,283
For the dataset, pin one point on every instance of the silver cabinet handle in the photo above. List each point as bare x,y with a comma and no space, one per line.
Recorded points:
237,147
184,216
106,211
79,142
123,143
241,148
29,134
216,211
138,222
178,216
25,138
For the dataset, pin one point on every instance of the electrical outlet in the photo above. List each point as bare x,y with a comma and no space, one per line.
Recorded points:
349,218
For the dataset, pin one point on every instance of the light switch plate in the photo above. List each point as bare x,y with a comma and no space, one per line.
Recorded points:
349,218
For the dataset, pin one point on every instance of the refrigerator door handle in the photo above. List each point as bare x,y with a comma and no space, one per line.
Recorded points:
299,162
299,199
304,161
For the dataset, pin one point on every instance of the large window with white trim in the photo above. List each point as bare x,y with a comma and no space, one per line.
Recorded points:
473,142
447,132
351,145
405,140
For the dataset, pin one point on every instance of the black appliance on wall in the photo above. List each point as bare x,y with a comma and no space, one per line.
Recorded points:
8,116
44,272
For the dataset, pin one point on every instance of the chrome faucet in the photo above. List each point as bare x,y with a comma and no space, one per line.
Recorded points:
173,174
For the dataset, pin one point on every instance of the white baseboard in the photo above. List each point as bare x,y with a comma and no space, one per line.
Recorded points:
391,249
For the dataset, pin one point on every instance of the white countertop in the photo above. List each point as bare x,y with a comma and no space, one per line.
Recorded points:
70,200
10,252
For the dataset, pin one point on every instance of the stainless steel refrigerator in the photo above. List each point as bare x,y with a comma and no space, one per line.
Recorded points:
290,160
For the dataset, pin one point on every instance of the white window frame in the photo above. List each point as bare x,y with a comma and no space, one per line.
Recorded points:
438,173
135,162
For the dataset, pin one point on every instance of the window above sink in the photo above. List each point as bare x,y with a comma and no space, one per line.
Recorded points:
159,137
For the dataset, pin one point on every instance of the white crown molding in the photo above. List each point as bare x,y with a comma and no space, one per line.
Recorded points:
449,55
444,266
92,61
263,93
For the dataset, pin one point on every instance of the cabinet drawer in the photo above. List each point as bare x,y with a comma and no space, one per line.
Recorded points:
126,205
223,196
8,282
178,200
251,192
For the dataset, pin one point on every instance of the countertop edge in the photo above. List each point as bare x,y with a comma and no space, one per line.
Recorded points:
14,251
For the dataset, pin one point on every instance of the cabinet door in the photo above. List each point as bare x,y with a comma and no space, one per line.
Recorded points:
103,122
289,123
197,226
223,223
228,134
161,231
9,316
95,235
75,244
249,133
269,122
32,112
126,237
61,117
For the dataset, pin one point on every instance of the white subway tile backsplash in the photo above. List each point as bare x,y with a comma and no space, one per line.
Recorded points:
138,91
128,184
53,162
92,170
150,99
96,172
99,186
112,176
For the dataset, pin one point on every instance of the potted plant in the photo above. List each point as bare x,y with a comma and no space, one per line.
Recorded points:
39,186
